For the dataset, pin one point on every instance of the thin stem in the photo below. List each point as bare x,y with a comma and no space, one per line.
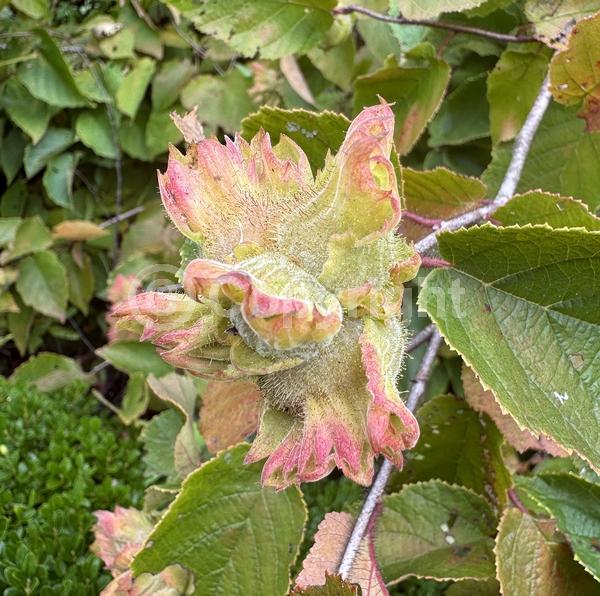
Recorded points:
420,338
121,217
378,486
457,28
511,179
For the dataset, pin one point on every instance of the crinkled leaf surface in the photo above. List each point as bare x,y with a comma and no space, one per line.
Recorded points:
460,446
437,530
538,207
530,564
415,90
234,535
275,28
522,308
483,400
575,505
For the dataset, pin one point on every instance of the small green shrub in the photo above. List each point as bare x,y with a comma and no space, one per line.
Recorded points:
58,463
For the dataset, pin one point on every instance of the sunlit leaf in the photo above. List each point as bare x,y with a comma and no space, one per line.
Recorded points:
521,307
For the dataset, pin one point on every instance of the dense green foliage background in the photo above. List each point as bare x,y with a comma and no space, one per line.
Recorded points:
59,462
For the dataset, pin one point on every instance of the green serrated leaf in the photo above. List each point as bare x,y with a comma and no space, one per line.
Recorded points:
437,194
575,505
537,207
530,564
316,133
132,356
235,536
94,129
133,87
522,308
562,159
54,142
415,90
460,446
48,371
512,88
42,284
435,530
81,281
275,28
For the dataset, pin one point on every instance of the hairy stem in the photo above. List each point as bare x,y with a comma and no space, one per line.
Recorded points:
378,486
511,179
455,27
